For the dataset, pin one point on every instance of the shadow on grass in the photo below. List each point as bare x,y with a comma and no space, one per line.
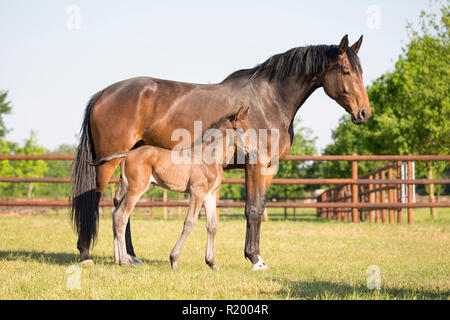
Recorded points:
330,290
64,259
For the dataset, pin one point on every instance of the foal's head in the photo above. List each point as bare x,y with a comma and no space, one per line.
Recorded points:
243,140
343,82
227,135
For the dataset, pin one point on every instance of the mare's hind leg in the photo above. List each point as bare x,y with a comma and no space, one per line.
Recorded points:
103,174
211,227
195,205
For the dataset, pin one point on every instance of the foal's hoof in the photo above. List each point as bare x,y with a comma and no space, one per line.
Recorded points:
260,265
130,261
174,265
87,262
214,267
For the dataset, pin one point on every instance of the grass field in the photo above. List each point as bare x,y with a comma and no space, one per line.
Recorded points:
308,258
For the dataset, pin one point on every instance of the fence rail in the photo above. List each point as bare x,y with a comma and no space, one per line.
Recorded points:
351,196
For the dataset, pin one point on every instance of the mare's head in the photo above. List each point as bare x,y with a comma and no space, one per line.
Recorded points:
343,82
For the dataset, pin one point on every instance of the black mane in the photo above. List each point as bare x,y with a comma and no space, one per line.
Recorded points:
302,62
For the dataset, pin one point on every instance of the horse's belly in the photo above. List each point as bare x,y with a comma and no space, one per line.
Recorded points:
172,177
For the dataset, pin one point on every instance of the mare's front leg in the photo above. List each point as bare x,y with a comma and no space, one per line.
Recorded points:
195,205
211,227
257,186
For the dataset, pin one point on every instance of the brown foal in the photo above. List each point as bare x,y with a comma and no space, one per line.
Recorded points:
149,164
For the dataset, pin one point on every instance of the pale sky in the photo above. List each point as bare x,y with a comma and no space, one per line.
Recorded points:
51,62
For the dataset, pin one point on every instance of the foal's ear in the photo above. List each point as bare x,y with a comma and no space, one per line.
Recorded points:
241,114
355,47
344,44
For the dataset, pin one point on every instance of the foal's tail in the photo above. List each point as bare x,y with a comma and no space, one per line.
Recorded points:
84,213
115,155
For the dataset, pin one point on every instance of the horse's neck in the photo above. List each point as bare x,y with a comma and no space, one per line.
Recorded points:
286,96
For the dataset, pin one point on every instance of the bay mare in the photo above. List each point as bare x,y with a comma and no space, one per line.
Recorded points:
166,168
145,111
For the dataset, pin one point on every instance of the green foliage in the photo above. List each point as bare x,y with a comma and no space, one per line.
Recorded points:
410,105
58,169
22,168
5,108
303,144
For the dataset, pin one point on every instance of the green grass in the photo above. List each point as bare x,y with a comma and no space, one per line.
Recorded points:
308,258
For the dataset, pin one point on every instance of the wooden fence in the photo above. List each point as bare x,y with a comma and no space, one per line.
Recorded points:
348,201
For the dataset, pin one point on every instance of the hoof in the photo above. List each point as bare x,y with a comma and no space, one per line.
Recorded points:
174,265
136,261
260,265
130,261
214,267
87,262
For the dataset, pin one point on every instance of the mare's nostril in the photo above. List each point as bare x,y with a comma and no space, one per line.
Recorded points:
363,114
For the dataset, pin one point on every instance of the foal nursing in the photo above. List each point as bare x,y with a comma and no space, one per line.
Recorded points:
165,168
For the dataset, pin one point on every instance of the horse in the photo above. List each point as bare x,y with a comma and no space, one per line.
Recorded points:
153,165
146,111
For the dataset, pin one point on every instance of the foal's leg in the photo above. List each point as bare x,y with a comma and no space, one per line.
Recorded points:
211,227
138,178
121,189
195,205
121,216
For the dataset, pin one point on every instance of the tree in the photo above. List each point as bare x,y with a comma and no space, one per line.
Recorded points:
58,169
411,104
26,168
303,144
5,166
5,108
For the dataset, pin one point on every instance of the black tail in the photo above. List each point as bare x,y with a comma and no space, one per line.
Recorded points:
84,199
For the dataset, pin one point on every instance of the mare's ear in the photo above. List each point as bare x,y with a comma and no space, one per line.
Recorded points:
241,114
355,47
343,45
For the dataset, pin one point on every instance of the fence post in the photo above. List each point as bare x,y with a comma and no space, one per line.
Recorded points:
180,197
152,208
399,191
377,199
431,192
383,197
354,190
410,194
391,194
347,210
165,208
371,200
329,210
